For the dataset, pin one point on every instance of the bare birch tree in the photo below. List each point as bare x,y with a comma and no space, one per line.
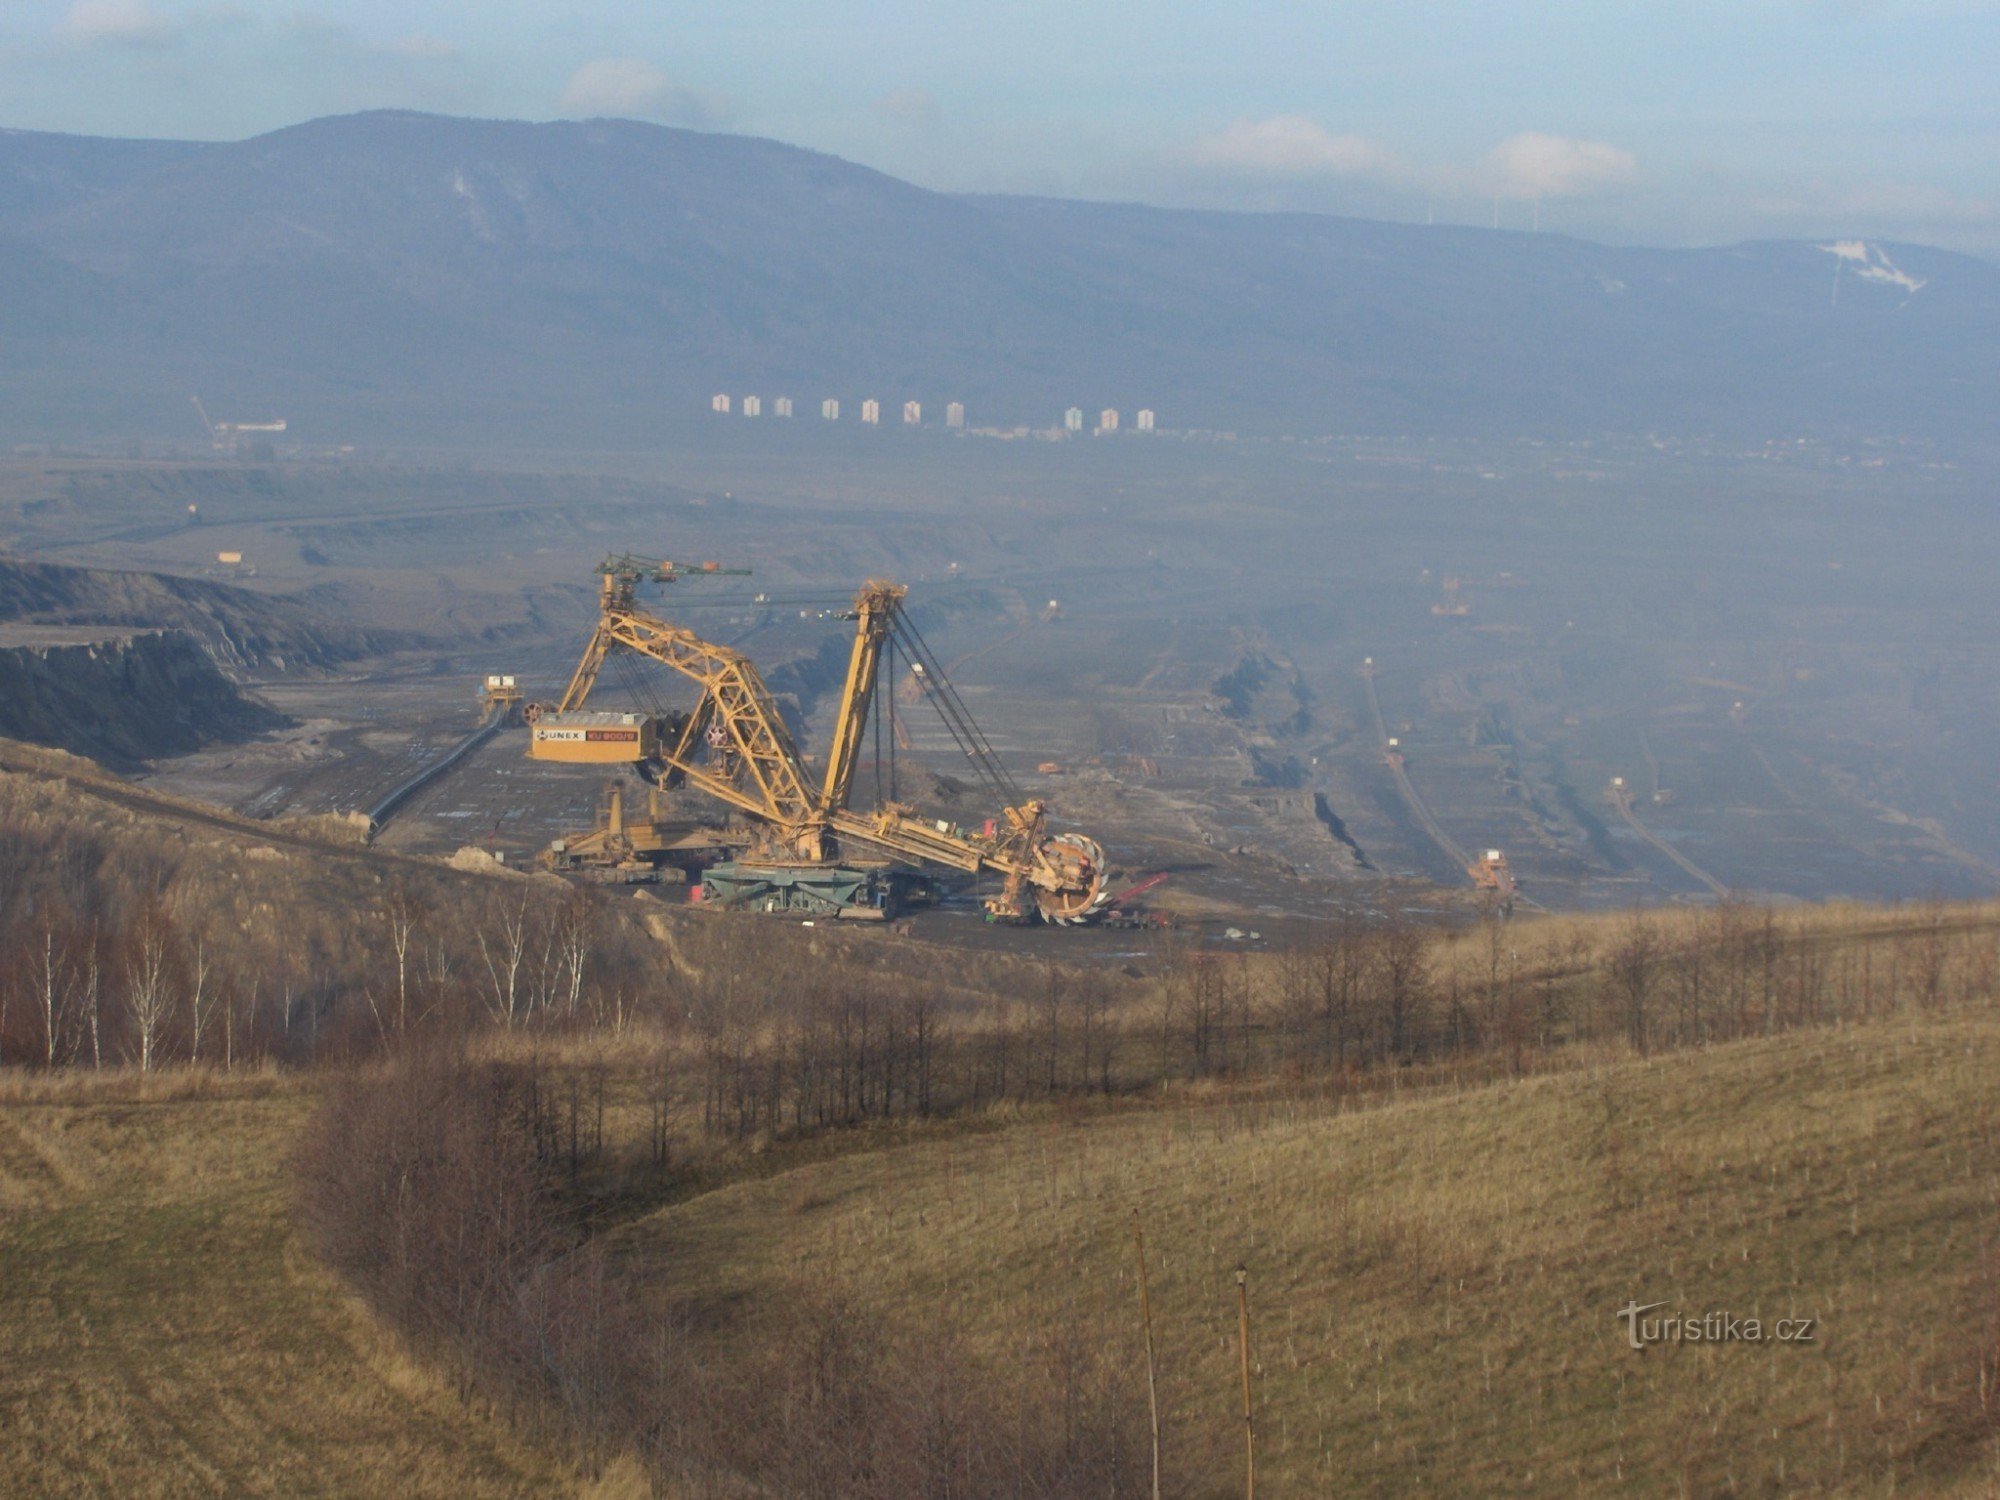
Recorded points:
201,994
575,934
93,996
148,983
503,945
55,985
403,914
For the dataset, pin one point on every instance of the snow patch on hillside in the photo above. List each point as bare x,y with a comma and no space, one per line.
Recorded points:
1870,262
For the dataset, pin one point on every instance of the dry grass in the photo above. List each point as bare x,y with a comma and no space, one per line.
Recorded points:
1556,940
162,1332
1434,1281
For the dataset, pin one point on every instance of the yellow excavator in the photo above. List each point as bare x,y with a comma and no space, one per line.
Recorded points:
812,852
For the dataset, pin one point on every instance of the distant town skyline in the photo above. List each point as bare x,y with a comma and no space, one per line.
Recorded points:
1634,122
752,405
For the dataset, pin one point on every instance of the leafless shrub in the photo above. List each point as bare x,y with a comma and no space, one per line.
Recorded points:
436,1189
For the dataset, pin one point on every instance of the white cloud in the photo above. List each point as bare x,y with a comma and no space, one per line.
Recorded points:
1294,146
634,88
1528,165
139,23
1533,165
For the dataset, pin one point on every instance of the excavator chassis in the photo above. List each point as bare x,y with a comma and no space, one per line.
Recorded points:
844,892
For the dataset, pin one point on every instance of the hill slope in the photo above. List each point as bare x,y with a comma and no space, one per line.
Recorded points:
416,277
1435,1284
164,1333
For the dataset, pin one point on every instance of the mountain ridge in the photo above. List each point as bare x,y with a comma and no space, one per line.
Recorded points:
395,276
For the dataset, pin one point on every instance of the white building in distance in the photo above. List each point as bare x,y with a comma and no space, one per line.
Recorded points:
1072,419
753,406
719,403
954,414
782,406
871,411
913,414
1107,420
830,409
1146,419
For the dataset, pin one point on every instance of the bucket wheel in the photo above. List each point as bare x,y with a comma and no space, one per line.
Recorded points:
1079,890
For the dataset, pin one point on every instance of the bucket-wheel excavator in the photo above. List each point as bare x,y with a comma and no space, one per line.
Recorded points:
811,851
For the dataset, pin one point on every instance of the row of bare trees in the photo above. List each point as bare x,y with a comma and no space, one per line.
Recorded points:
144,992
843,1044
105,970
109,959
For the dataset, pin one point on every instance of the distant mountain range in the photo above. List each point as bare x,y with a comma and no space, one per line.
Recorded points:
413,278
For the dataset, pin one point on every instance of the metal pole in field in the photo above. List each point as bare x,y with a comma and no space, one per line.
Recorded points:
1152,1382
1243,1350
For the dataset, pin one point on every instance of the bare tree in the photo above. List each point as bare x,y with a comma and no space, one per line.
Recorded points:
93,996
1094,1005
575,934
1403,968
1343,965
439,966
149,982
503,944
1930,952
54,983
403,914
202,992
1207,999
1634,968
1297,1000
1052,1009
229,1002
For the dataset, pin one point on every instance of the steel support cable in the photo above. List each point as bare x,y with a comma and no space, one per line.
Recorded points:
958,720
637,685
938,691
971,743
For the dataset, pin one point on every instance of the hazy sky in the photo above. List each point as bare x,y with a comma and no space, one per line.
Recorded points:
1668,122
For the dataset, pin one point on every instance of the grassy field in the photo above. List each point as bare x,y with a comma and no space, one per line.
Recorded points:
1435,1270
162,1332
1434,1282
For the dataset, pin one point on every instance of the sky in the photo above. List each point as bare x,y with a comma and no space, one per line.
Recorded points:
1698,121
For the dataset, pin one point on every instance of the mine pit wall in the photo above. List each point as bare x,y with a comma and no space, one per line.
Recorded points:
243,630
124,698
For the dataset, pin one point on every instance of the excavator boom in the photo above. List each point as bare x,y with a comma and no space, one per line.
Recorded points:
874,612
734,746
